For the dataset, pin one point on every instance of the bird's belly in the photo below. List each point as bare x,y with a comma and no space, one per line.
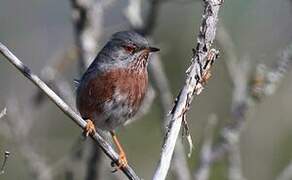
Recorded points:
111,98
116,111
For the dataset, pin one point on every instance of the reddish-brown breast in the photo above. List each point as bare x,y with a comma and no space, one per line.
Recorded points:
93,95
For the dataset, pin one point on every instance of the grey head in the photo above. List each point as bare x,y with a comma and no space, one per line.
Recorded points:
123,49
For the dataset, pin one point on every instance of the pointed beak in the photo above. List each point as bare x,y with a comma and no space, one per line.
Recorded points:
153,49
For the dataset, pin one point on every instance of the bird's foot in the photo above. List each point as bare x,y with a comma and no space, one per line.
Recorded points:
89,128
122,162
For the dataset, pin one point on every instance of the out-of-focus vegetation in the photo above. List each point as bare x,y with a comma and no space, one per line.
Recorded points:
38,31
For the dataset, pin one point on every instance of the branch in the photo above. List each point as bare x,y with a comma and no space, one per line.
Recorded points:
145,26
197,74
231,133
203,171
238,71
3,112
179,167
239,75
266,80
88,18
6,155
108,150
260,87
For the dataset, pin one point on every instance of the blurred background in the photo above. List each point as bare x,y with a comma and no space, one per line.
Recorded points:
249,94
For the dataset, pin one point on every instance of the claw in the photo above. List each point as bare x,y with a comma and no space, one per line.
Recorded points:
89,128
122,163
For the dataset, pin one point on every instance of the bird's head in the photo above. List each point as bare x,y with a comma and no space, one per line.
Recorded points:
127,49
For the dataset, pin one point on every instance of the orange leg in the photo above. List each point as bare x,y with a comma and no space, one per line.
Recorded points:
89,128
122,155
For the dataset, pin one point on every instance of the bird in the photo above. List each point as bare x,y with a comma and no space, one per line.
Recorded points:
111,90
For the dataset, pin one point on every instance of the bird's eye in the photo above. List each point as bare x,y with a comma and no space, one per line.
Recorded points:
129,48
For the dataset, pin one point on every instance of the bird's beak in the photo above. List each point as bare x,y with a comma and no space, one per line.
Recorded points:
153,49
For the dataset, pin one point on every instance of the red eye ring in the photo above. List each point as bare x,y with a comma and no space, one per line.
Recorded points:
129,48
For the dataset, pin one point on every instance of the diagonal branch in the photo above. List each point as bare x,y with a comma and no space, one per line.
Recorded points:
87,17
107,149
197,74
145,26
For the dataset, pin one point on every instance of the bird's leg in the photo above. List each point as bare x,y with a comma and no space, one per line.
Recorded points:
122,155
89,128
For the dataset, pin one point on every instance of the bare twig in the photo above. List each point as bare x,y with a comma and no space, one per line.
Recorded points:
238,70
239,74
88,18
179,166
3,112
133,12
238,112
18,126
203,171
108,150
270,80
266,80
197,75
6,155
145,26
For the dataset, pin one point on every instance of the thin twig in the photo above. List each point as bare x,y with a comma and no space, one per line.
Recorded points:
238,70
203,171
17,127
108,150
6,155
266,80
3,112
179,167
197,75
88,17
145,26
238,114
